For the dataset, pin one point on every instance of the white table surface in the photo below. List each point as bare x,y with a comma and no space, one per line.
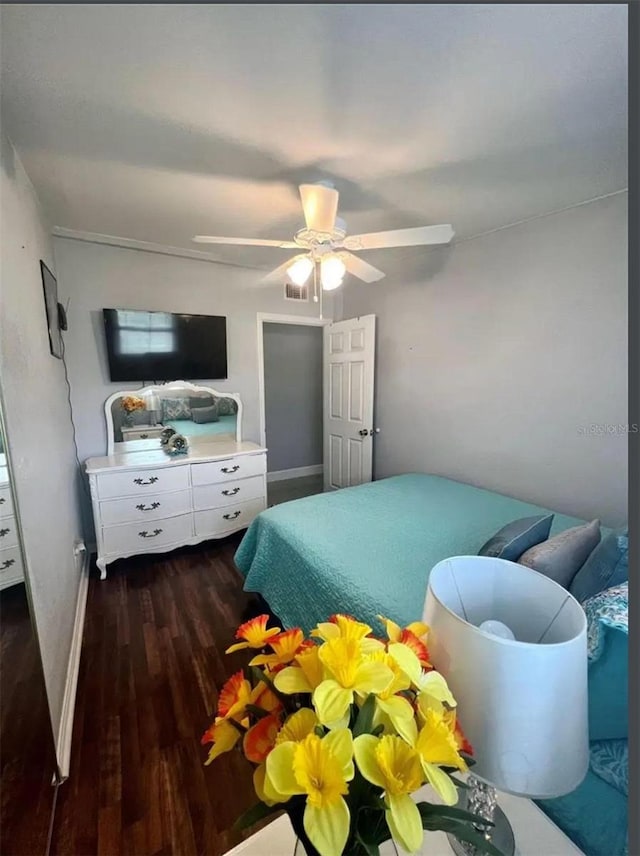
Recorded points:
534,833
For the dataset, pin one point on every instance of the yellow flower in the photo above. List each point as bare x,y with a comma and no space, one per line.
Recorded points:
298,726
350,672
437,747
393,765
431,687
224,737
234,696
320,769
391,710
346,627
285,646
394,631
254,634
305,676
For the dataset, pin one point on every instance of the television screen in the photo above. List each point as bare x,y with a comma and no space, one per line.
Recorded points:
155,346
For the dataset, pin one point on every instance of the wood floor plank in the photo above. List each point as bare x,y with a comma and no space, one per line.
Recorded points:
151,669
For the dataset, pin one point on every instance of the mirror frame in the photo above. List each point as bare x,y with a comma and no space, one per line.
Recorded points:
163,387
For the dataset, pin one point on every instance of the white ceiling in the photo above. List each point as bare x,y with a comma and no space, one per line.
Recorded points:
158,122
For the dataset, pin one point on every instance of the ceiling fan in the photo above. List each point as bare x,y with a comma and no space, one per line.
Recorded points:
326,244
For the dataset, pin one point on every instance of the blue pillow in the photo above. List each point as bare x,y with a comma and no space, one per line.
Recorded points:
608,644
608,565
517,537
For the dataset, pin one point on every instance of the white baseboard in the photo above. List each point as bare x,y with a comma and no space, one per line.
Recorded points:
65,731
295,473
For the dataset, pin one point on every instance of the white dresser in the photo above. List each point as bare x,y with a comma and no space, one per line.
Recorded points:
149,502
11,571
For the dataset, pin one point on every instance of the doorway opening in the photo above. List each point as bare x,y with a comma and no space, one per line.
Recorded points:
290,349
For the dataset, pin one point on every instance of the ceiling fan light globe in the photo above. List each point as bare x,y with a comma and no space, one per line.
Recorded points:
300,270
332,271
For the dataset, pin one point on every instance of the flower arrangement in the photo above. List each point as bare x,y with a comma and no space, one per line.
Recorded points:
131,403
166,434
176,444
342,728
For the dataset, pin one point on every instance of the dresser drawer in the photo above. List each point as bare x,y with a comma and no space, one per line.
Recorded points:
215,472
6,502
231,493
152,507
134,482
11,571
217,521
144,536
8,533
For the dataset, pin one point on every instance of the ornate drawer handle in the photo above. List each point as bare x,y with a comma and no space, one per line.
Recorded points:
151,480
2,500
145,534
4,532
231,469
7,564
144,436
151,507
232,516
230,492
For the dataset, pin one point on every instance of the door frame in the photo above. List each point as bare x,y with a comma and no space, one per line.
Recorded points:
263,318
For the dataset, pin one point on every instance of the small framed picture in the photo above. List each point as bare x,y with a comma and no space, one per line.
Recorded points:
50,286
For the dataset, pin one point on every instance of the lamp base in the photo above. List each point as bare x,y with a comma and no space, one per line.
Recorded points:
481,799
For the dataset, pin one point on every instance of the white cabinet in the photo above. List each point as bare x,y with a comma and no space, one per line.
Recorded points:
148,502
11,570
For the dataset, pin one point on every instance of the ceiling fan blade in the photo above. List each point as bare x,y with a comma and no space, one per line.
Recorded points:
358,267
279,275
320,206
400,238
244,242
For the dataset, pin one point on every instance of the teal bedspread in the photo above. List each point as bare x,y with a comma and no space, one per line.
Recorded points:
369,549
224,425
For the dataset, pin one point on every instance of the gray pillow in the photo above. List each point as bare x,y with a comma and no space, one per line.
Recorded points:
561,557
176,408
226,406
512,540
607,566
205,414
197,401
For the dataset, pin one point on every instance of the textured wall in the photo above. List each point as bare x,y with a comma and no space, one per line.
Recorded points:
293,395
493,365
38,426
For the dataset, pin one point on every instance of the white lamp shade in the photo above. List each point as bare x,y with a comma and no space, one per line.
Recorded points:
153,401
522,704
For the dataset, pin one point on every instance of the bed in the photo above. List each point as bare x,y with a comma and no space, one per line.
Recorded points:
188,428
369,549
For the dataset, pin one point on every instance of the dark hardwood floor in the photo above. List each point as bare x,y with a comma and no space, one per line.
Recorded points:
27,753
151,667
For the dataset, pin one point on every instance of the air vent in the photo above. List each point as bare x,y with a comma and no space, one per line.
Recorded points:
296,292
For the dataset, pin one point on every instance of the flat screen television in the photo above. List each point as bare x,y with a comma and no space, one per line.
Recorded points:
161,346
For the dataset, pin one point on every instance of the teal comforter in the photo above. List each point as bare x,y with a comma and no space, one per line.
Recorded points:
369,549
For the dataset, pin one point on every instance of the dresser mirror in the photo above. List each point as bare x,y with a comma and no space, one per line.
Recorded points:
27,751
136,418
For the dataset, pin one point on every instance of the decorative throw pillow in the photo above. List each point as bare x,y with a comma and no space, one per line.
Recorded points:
197,401
561,557
176,408
609,759
608,652
512,540
205,414
226,407
607,566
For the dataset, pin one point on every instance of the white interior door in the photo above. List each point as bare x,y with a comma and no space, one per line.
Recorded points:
348,368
